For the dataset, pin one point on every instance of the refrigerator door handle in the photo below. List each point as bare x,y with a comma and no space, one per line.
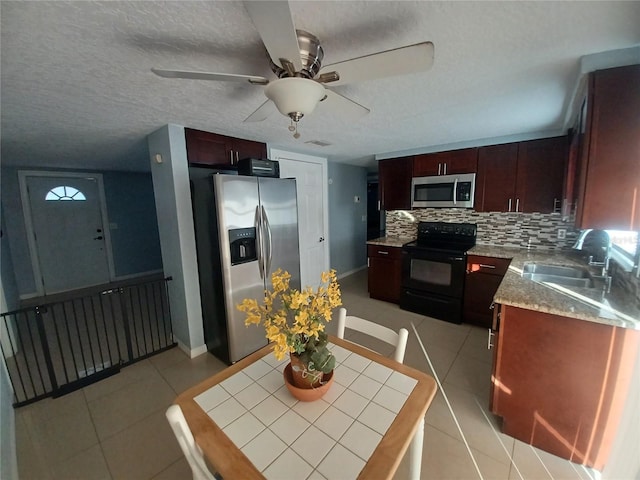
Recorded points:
259,247
269,250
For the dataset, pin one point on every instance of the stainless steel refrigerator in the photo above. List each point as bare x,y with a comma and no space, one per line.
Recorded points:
246,228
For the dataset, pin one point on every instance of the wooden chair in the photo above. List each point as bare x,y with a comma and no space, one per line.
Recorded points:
187,443
397,339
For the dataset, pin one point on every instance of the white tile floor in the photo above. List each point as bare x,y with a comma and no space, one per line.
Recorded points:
116,428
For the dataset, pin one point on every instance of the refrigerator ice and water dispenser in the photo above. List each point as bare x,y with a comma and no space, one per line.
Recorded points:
242,244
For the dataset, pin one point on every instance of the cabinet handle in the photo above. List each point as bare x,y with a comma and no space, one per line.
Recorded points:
517,204
231,156
439,167
489,344
445,168
509,204
237,159
383,253
482,265
378,205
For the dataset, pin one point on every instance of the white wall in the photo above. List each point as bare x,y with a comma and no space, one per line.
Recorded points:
172,193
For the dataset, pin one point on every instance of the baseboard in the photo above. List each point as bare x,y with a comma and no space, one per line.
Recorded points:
191,352
351,272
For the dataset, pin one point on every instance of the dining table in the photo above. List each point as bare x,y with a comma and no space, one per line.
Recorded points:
249,426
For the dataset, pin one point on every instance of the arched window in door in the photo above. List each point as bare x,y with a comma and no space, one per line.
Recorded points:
65,193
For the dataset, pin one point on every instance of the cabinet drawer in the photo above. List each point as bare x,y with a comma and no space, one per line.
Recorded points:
490,265
384,251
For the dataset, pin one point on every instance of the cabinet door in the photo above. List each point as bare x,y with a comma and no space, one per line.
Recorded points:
206,148
394,177
540,175
385,279
248,149
427,165
446,163
496,179
609,195
479,289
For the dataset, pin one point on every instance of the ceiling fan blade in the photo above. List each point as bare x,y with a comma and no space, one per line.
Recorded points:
253,79
399,61
343,106
273,21
262,112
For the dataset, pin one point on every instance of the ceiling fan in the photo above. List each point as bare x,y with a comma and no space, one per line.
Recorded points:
296,59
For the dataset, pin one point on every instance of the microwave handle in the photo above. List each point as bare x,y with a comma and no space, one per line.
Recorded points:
455,190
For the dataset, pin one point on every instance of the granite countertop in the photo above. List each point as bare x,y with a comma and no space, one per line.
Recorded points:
390,241
616,308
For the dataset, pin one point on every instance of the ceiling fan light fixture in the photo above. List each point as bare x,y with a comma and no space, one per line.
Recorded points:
295,96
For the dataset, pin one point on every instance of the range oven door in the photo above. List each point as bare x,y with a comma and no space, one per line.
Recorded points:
433,283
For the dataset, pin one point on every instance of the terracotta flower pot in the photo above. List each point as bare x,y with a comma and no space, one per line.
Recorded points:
303,377
307,394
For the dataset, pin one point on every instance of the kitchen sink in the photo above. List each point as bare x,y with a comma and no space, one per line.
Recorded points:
567,276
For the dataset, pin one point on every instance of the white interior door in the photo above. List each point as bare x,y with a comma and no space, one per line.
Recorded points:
310,175
64,219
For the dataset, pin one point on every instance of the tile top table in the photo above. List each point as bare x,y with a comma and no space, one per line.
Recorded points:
248,425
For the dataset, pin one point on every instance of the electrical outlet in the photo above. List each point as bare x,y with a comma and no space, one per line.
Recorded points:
562,233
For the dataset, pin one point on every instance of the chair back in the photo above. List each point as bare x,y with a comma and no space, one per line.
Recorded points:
187,443
397,339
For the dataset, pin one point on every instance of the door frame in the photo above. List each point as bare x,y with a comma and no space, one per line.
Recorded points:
28,221
276,154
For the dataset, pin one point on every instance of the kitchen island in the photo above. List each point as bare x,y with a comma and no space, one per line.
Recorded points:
563,358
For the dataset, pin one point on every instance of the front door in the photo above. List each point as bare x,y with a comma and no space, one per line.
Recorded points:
310,175
68,238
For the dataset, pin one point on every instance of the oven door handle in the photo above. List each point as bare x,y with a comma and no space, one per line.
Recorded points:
456,259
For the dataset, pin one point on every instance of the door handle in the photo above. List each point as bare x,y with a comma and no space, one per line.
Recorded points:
98,238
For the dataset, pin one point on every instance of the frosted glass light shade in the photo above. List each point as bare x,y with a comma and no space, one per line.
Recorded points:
294,94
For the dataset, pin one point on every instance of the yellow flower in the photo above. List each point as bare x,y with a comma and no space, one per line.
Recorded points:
294,320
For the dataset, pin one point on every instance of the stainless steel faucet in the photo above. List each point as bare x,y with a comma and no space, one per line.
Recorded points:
597,246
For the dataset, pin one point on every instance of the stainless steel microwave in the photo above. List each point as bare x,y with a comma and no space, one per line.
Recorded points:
452,191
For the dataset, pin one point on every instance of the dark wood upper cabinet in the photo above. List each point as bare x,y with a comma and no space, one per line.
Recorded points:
212,149
541,172
496,179
609,181
521,177
394,180
446,163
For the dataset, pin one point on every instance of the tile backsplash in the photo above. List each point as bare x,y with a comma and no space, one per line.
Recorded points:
522,230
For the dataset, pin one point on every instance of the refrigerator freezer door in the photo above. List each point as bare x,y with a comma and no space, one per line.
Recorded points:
236,201
278,201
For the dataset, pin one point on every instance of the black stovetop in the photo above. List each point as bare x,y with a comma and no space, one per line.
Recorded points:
445,236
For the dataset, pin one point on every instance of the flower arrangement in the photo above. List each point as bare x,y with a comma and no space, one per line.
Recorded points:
295,320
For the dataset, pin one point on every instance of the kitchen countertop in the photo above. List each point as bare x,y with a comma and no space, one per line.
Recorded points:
390,241
616,308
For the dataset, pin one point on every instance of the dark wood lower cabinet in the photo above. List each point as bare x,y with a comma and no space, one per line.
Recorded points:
385,273
483,278
560,383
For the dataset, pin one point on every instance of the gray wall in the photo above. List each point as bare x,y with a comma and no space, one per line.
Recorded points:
348,230
175,224
130,204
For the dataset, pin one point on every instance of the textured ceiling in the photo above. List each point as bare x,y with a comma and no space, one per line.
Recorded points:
77,90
